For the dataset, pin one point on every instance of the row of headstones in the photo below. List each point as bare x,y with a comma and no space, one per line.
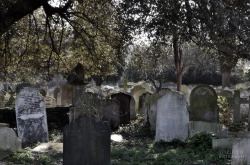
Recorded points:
203,110
94,145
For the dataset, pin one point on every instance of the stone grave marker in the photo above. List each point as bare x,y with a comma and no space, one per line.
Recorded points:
150,107
31,117
126,111
236,101
86,141
241,152
172,117
203,104
125,86
185,90
90,104
56,92
143,104
66,98
136,92
8,139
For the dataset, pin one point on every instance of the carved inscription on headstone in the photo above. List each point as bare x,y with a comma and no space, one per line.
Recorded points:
31,117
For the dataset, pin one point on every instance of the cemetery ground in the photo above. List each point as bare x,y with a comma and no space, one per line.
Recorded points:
137,147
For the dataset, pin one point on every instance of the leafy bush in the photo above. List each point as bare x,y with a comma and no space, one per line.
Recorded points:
200,141
225,111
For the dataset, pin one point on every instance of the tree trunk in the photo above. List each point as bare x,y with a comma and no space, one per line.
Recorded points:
225,73
226,78
179,81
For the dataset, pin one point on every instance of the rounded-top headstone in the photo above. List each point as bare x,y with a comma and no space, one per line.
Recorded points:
203,104
31,117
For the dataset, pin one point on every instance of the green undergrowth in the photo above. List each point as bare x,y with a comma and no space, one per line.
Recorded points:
139,148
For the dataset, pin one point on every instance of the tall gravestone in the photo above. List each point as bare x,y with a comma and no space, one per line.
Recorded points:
172,117
31,117
91,104
127,111
203,104
86,141
66,97
149,107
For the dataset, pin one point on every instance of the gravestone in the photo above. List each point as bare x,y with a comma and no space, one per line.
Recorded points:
90,104
8,139
172,117
241,152
126,107
203,104
31,117
136,92
66,98
186,91
143,104
86,141
150,107
56,92
125,86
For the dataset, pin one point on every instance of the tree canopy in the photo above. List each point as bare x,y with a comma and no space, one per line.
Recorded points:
43,41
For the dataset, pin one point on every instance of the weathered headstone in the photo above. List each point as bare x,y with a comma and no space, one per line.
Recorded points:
241,152
203,104
66,98
125,86
172,117
86,141
126,111
136,92
31,117
186,91
56,92
8,139
150,107
143,104
90,104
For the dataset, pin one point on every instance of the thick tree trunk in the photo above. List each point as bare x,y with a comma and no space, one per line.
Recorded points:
225,73
226,79
179,81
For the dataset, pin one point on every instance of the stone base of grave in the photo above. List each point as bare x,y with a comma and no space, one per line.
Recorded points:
201,126
226,143
236,127
241,152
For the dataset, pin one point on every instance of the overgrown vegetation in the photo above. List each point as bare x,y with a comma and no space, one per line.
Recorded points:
138,147
225,111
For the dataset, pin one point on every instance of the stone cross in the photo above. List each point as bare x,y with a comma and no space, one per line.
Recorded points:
125,86
236,101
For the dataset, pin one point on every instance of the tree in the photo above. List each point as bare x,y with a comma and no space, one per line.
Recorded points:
207,23
54,39
150,61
